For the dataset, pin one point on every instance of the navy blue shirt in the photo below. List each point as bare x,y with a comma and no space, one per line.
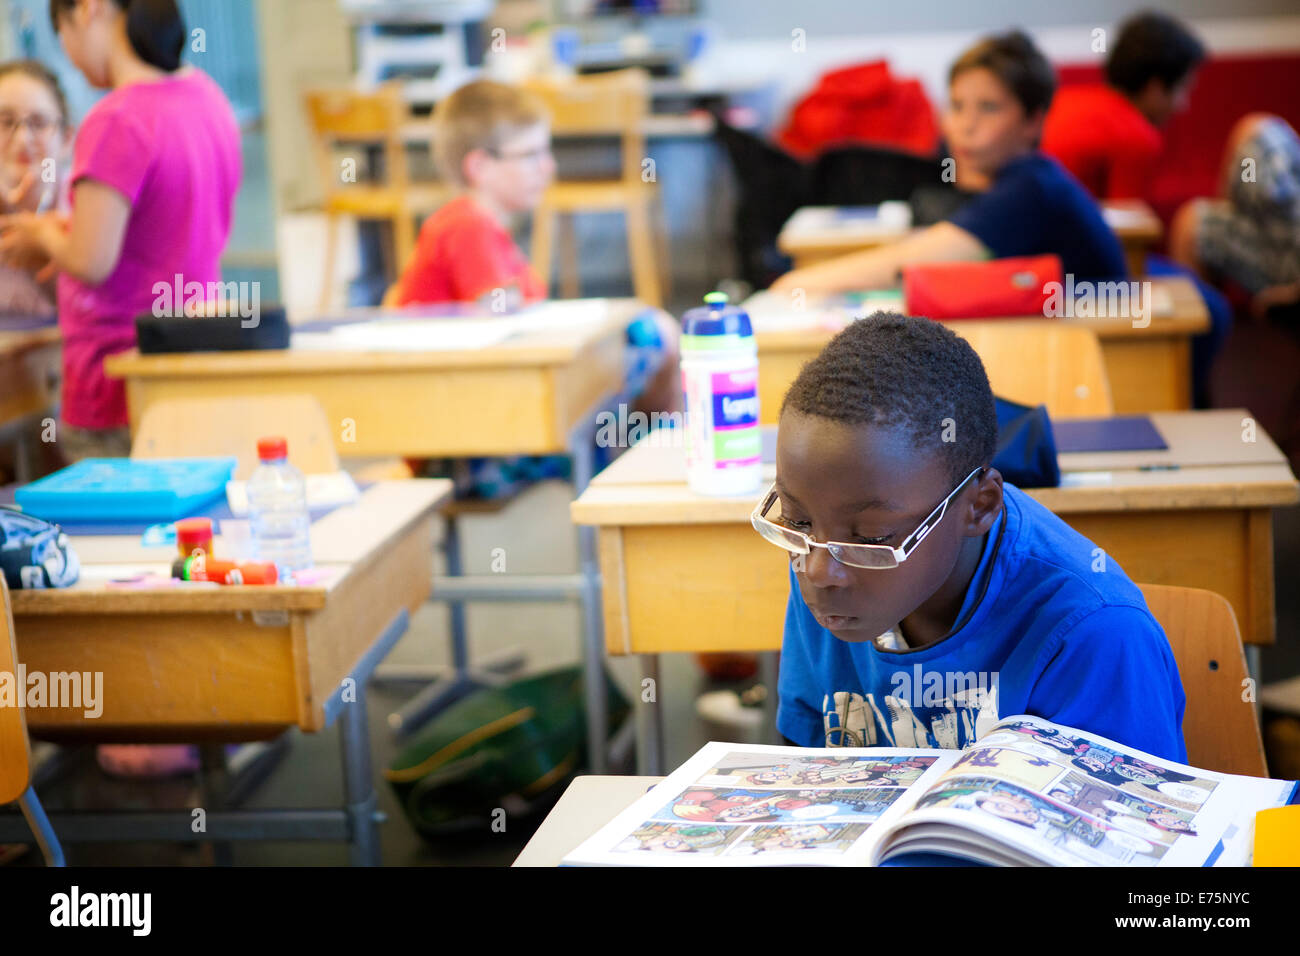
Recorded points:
1051,626
1034,208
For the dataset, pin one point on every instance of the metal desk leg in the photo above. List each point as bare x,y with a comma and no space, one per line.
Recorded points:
593,638
359,798
215,777
650,721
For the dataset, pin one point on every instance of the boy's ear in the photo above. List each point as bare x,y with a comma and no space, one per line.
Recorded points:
472,165
987,503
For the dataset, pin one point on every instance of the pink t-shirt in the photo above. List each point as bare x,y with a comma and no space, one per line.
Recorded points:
171,147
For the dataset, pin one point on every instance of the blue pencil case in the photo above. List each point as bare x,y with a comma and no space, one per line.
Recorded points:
127,489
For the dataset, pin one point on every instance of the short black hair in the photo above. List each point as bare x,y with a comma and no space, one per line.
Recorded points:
1152,46
1013,59
892,371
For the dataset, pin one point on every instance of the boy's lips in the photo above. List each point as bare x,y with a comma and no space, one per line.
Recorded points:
833,622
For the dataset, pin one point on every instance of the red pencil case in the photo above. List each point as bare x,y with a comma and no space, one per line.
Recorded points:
980,290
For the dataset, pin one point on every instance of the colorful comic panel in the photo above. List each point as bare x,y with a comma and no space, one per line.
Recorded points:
1130,774
735,805
813,838
1148,819
652,837
739,769
1057,824
1033,772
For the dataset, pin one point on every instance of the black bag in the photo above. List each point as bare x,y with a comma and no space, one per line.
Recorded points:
1026,453
212,333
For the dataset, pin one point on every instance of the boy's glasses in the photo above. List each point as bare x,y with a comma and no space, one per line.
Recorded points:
532,155
872,556
39,125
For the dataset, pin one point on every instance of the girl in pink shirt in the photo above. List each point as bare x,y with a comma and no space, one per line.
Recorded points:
156,164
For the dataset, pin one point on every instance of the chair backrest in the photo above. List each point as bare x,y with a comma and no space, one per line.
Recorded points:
1042,363
15,755
231,425
1220,726
338,116
607,104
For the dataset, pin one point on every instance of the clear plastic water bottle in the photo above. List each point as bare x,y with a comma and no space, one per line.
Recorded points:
277,510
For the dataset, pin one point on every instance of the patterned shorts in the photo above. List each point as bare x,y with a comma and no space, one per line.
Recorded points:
1254,237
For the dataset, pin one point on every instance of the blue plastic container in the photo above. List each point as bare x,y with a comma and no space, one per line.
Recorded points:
127,489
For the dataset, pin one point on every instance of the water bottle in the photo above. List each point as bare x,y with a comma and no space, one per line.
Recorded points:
277,510
720,379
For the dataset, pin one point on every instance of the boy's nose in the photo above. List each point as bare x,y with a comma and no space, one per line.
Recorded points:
824,571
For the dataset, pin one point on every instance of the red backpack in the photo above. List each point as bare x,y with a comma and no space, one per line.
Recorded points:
862,104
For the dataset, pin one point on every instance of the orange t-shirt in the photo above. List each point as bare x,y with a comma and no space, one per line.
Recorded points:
462,254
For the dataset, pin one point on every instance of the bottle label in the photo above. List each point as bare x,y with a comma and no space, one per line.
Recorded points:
736,438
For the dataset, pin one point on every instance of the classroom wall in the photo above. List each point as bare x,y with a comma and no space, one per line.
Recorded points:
304,44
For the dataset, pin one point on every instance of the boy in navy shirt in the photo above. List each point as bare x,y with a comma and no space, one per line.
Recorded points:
928,598
1027,204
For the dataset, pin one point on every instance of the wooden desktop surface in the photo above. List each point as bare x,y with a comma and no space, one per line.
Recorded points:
519,396
1206,523
236,663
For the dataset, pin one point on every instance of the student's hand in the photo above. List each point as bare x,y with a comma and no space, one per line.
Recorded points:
20,196
26,241
1272,296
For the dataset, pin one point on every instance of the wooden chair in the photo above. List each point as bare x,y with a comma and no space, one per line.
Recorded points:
609,104
351,119
1220,728
231,425
1043,363
15,754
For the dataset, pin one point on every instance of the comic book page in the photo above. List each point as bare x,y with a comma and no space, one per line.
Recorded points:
1070,798
748,805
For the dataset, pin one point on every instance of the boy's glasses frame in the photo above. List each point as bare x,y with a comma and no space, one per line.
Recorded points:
873,557
532,155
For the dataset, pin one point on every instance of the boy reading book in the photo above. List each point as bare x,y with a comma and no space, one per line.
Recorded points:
927,597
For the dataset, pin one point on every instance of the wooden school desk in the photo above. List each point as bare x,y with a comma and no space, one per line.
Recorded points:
684,572
30,355
536,392
237,663
1149,368
817,233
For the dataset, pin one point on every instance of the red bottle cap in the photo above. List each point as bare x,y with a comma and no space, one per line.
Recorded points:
269,449
193,533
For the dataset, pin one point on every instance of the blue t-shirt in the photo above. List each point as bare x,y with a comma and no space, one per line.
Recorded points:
1034,208
1052,627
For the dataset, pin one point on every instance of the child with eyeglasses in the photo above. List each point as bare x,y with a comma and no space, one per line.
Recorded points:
33,148
909,551
493,142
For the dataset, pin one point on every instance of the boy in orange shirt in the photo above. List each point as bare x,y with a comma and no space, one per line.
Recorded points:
493,141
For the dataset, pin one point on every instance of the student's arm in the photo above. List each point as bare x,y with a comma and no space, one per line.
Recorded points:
881,268
1114,675
88,245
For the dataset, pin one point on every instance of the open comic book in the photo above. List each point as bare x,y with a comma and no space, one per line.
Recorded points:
1029,792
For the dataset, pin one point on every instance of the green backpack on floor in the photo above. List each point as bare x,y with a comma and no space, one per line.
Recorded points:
499,748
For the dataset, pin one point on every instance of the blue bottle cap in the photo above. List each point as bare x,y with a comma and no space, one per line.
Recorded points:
716,325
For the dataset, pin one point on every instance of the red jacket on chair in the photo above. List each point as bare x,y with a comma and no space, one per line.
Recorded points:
862,104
